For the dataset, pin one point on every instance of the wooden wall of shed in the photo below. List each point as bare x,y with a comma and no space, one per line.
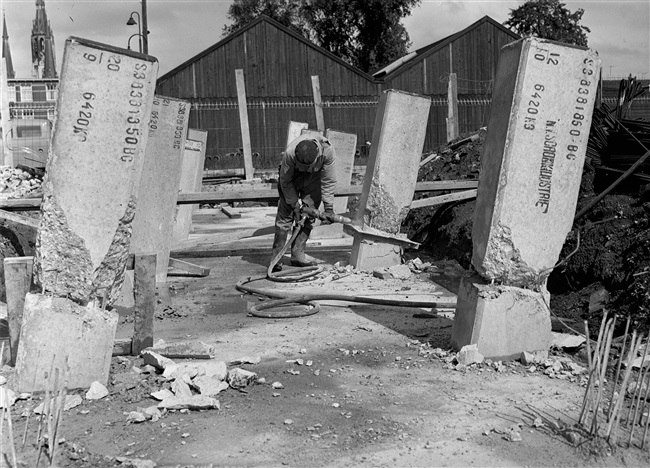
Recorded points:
268,131
472,56
275,64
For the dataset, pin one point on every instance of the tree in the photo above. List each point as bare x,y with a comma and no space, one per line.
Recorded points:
549,19
365,33
242,12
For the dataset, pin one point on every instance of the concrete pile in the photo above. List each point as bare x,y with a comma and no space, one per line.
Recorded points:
89,200
531,169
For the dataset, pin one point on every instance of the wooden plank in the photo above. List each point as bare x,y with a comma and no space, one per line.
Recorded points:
144,279
443,199
122,347
248,194
318,104
428,159
190,268
18,279
243,121
19,219
228,211
452,107
22,204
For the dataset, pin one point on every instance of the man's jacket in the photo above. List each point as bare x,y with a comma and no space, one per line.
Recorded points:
291,169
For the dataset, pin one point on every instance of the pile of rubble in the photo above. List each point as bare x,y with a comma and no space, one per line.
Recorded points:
18,183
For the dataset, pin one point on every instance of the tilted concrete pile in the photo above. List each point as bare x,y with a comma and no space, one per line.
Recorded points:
530,177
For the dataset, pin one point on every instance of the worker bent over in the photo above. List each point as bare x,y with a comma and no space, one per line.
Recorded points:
306,177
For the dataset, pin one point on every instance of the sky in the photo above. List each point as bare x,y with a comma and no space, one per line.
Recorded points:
180,29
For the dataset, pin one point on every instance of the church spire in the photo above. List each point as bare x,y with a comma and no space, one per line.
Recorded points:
43,56
6,51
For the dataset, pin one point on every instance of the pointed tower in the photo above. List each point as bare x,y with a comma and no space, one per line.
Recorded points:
6,51
43,57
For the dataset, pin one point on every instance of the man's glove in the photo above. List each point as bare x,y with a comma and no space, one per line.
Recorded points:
329,210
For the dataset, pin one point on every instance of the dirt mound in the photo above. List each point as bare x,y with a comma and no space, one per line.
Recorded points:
608,248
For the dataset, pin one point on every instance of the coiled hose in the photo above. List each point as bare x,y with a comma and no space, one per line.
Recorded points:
309,307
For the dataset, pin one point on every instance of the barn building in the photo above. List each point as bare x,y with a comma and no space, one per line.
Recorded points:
278,64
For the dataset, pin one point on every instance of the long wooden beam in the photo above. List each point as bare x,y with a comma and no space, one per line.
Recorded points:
272,194
260,194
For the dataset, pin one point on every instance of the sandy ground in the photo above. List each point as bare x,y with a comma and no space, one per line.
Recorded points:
362,385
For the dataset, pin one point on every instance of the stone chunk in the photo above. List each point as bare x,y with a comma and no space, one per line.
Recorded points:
154,359
189,350
240,378
195,402
209,386
469,354
197,368
96,391
503,321
532,160
60,334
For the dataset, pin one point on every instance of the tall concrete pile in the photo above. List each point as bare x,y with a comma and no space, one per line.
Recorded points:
89,201
531,169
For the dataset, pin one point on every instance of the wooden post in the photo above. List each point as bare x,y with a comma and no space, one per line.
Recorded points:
318,104
144,279
243,121
452,108
18,279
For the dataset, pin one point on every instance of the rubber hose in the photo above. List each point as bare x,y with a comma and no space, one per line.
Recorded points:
290,298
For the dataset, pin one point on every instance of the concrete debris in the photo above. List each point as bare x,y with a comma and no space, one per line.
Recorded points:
136,417
633,386
192,369
513,434
400,271
180,388
565,340
209,385
598,300
71,401
245,360
417,266
188,350
96,391
16,183
240,378
135,462
160,395
3,380
195,402
277,385
7,397
152,358
152,413
381,273
535,357
469,355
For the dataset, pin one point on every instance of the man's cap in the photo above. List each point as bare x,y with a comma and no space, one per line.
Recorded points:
306,151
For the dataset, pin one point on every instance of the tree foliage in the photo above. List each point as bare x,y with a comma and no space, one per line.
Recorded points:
366,33
549,19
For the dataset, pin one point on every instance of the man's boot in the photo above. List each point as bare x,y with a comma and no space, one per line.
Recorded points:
279,241
298,256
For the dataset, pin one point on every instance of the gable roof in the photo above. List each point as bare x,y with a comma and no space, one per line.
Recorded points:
390,71
251,25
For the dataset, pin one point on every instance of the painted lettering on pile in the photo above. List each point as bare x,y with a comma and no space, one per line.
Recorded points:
84,122
546,168
136,96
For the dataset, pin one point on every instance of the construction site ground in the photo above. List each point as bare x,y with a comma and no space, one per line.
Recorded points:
361,385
